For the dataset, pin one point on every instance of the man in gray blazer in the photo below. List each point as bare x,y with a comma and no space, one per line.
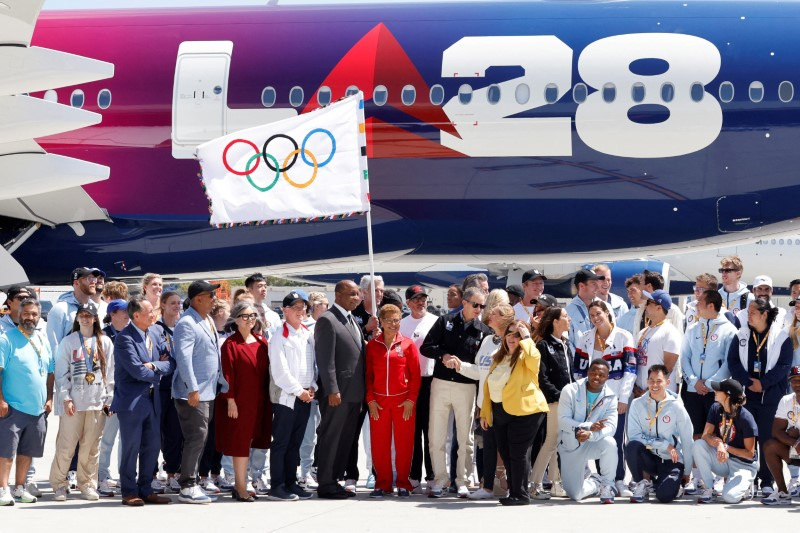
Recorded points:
339,349
197,380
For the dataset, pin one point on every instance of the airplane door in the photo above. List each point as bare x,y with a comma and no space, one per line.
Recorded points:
738,213
199,94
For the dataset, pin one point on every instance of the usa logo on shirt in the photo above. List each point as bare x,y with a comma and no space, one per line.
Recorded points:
665,419
714,337
742,342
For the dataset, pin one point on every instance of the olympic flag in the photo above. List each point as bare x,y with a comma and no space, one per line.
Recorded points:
301,169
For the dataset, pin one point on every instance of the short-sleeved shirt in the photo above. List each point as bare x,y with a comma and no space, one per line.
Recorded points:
789,409
650,351
743,427
25,371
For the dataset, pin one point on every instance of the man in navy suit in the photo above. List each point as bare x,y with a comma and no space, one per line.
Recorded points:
140,358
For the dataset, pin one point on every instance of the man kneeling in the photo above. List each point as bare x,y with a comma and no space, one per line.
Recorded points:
784,446
657,423
587,421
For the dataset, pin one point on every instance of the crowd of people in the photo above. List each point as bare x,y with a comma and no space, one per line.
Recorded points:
508,396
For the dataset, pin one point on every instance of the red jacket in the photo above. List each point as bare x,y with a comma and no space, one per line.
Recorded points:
394,371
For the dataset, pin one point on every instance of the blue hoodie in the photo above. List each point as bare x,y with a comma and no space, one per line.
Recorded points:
60,319
709,362
672,425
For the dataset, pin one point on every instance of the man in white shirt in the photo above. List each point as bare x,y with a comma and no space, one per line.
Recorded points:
658,343
762,288
256,285
617,304
415,327
533,287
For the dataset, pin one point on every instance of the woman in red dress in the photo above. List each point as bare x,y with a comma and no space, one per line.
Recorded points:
244,414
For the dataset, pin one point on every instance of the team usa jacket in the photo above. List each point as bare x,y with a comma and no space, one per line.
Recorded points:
573,412
659,424
620,353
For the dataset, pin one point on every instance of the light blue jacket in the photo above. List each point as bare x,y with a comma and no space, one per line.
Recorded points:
579,320
671,426
572,414
711,363
627,320
60,319
197,356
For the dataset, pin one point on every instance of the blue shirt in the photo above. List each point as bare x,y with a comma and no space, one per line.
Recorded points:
25,372
743,427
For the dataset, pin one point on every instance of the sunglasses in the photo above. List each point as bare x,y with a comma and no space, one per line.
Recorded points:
727,270
514,335
246,316
477,305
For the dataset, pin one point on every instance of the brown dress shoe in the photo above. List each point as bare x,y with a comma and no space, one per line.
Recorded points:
133,501
155,498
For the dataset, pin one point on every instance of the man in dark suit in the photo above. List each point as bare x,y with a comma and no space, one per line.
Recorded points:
140,359
339,348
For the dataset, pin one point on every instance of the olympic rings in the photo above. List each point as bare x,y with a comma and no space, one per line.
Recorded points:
313,175
294,143
257,159
303,146
225,158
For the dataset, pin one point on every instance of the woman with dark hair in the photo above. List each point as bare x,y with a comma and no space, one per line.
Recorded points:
727,447
84,390
515,407
244,414
555,372
760,359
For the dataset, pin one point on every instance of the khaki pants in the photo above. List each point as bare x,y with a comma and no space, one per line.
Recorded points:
547,455
84,428
460,398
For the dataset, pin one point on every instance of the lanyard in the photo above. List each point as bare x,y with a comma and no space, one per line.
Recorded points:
759,346
37,349
644,333
658,410
705,343
727,424
89,354
597,339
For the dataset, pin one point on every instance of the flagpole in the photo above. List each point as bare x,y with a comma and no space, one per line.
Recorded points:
371,263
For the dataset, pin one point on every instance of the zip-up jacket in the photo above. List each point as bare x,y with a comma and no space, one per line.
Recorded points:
449,334
774,370
393,370
579,322
572,413
659,424
620,353
737,300
555,367
704,353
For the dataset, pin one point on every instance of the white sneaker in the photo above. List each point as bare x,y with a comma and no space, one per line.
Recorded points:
250,488
595,479
112,483
173,485
262,487
641,492
157,485
21,495
225,483
417,487
60,494
719,483
777,498
309,483
371,482
606,494
707,496
88,493
481,494
557,490
539,493
104,490
72,479
5,496
622,489
463,491
766,490
350,485
193,494
693,487
209,486
33,488
793,489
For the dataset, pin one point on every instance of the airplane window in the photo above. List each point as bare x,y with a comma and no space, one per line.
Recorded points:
637,92
76,99
324,95
296,96
351,90
51,96
579,93
797,241
697,92
609,92
409,95
465,94
756,91
437,94
780,241
726,91
773,241
268,97
380,95
786,91
522,93
493,94
551,93
104,99
667,92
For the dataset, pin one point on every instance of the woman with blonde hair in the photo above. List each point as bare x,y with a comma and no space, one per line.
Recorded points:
495,298
152,287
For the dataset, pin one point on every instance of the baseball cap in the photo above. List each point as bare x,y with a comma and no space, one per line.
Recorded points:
414,291
792,303
515,290
762,280
116,305
16,290
546,300
794,372
81,272
532,274
583,275
729,386
200,286
295,296
660,297
89,307
390,296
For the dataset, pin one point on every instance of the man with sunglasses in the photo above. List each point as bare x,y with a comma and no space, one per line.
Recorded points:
735,295
459,334
14,296
62,315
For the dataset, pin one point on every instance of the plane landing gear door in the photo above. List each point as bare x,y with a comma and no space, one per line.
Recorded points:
200,93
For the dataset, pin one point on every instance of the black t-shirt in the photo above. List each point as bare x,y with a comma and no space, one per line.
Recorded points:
743,427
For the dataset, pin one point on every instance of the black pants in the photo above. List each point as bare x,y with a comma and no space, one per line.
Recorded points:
288,429
763,414
421,442
351,468
454,456
667,474
698,406
487,459
515,435
335,434
171,436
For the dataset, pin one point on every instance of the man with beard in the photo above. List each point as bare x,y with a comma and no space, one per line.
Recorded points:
15,295
62,315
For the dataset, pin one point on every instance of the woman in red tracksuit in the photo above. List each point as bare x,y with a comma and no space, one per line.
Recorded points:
393,380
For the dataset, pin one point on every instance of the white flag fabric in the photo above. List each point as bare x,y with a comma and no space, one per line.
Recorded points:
304,168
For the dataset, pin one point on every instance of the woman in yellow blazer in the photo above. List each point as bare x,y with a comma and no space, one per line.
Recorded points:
515,407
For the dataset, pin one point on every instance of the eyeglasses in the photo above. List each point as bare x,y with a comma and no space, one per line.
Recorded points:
514,335
250,316
698,289
727,270
390,320
477,305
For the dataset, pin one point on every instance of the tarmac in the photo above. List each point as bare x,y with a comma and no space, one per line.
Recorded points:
415,514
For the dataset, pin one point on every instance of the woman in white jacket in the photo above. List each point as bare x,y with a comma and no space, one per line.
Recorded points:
84,390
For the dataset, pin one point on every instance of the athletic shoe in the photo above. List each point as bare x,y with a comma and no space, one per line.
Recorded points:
539,493
261,487
193,494
173,485
298,490
418,489
33,488
766,490
481,494
371,481
350,485
707,496
641,492
280,494
88,493
435,491
680,492
209,486
158,486
558,490
598,485
21,495
693,487
622,489
777,498
225,484
308,482
113,483
719,483
463,491
403,493
5,496
104,490
251,489
607,494
60,494
793,489
72,479
377,494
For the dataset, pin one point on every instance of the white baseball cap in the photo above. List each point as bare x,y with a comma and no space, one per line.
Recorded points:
762,280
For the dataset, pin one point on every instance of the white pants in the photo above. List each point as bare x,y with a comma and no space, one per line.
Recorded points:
459,398
740,475
573,467
547,454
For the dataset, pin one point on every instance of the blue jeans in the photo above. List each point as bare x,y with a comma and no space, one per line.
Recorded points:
309,441
106,447
258,463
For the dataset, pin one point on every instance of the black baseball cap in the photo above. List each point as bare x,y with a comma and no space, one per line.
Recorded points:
532,274
729,386
414,291
294,297
793,303
583,275
16,290
515,290
89,307
546,301
200,286
82,272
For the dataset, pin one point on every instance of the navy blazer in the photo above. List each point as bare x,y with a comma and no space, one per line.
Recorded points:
132,379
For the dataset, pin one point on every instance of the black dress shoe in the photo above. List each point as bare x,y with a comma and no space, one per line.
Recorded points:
343,495
514,501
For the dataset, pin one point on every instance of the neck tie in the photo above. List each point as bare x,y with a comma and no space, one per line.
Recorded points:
354,327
